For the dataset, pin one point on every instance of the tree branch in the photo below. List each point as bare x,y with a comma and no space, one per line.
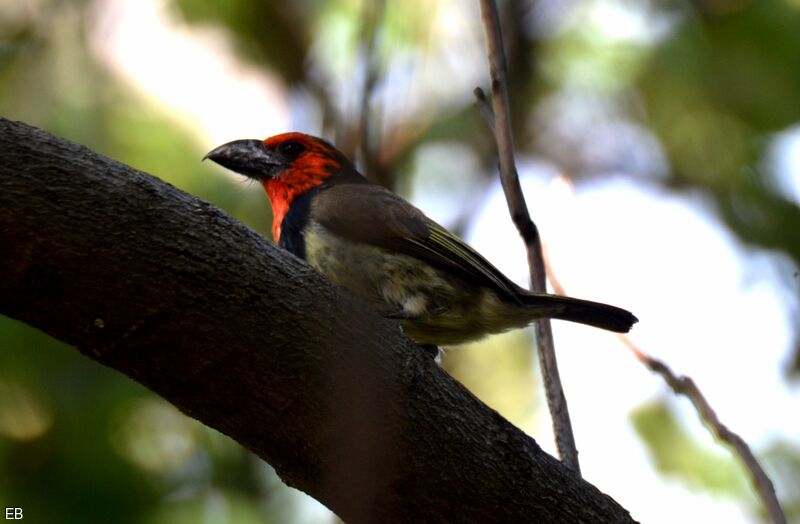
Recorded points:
683,385
246,338
686,386
557,402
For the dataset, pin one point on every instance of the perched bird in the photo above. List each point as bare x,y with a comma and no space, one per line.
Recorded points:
384,250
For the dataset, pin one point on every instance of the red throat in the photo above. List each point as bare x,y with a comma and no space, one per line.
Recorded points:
308,171
282,192
279,198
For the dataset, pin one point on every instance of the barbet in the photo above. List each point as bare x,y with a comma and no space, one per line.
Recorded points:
385,251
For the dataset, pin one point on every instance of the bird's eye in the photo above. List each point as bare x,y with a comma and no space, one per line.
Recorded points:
291,149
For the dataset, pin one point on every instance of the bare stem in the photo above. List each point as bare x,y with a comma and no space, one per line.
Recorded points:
499,109
683,385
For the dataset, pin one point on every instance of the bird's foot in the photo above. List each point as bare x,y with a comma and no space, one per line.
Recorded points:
432,350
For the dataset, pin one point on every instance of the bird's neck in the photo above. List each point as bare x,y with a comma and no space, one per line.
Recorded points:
280,198
283,191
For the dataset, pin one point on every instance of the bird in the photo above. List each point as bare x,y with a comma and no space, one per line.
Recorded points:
379,247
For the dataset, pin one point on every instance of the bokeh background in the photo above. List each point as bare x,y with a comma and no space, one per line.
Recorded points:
659,149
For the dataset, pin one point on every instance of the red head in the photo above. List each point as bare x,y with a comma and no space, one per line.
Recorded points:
287,165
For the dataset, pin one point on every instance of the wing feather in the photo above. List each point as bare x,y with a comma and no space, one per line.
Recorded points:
372,214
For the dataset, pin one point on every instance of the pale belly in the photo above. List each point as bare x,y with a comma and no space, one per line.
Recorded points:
435,307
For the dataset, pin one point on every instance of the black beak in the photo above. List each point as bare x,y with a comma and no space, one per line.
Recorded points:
247,157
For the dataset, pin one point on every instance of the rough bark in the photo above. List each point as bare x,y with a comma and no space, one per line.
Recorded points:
244,337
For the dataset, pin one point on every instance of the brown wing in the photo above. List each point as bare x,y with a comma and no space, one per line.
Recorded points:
374,215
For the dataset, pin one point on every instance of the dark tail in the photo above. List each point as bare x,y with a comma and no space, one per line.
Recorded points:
594,314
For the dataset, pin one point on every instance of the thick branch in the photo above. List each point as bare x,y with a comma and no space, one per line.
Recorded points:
246,338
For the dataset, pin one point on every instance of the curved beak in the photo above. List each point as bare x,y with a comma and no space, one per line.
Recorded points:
247,157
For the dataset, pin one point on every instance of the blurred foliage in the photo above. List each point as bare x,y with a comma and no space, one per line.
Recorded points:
77,398
783,461
678,454
500,372
715,91
702,90
675,452
275,34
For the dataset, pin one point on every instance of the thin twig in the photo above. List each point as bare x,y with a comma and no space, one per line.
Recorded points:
683,385
484,106
565,441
